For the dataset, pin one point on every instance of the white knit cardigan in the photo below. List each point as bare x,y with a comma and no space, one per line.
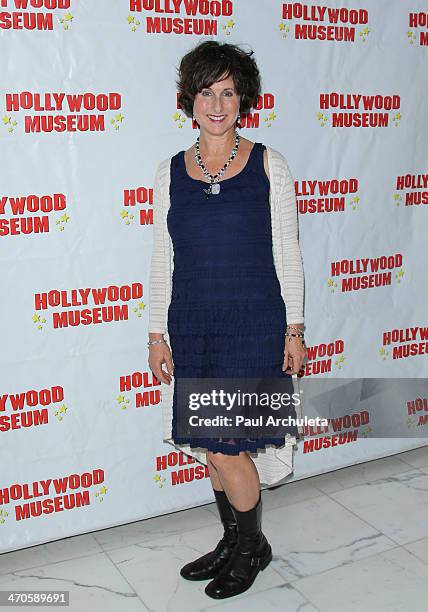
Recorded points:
273,464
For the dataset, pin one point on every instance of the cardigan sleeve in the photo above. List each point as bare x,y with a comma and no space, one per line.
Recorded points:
292,264
159,261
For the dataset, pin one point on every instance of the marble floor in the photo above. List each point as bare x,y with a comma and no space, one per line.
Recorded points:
351,540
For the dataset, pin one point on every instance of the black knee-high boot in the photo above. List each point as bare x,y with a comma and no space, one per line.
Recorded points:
208,565
252,554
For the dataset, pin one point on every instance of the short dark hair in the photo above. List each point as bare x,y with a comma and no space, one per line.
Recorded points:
207,63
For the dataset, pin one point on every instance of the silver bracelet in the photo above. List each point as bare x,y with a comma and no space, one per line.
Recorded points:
150,342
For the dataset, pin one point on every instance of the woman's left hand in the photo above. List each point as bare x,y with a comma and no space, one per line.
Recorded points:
294,354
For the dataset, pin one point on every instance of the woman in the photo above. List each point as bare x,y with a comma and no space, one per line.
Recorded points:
233,291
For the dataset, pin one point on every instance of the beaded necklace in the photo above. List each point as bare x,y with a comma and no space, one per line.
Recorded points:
214,188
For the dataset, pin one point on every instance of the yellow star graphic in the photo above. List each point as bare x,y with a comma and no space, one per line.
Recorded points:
398,116
68,17
272,116
36,318
230,23
130,19
6,119
282,26
124,214
65,218
119,117
103,490
120,398
63,408
176,116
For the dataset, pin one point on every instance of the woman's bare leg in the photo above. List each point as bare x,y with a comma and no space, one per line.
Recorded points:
238,477
215,480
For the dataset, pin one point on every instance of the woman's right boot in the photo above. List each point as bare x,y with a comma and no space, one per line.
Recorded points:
209,565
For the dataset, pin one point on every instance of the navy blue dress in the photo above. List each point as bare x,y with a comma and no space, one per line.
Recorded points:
226,317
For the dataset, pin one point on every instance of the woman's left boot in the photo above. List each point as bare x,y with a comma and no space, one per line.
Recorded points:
251,554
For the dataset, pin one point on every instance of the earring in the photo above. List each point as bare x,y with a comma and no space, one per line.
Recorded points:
238,120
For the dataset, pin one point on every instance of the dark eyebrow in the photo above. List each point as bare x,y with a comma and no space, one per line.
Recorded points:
225,89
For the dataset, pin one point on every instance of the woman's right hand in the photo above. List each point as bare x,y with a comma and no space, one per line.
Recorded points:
158,355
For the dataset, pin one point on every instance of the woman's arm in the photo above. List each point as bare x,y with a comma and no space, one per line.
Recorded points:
290,270
159,353
293,274
158,265
295,351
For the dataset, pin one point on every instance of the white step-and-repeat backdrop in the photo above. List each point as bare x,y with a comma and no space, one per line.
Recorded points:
88,109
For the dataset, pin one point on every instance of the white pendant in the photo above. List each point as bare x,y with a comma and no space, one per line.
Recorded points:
215,189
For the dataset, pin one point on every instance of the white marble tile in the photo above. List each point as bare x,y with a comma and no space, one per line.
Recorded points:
52,552
316,535
153,528
358,474
423,469
283,597
152,568
94,584
418,457
392,581
419,548
290,493
396,505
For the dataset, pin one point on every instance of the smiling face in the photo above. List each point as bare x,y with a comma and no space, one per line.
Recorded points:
216,108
